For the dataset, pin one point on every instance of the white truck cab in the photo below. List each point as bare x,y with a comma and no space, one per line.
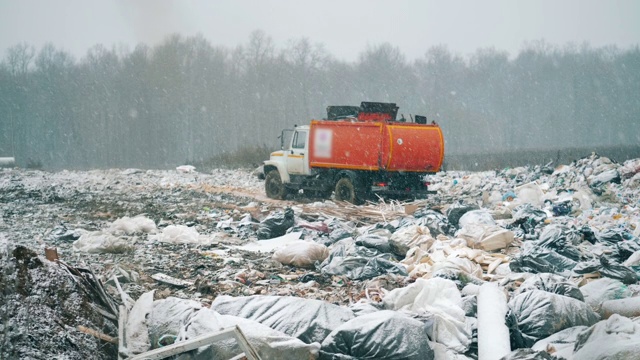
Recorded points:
292,160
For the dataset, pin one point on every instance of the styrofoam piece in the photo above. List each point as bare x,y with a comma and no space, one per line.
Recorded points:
493,333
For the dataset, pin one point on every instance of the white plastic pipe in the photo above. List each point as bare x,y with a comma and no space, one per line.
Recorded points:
493,333
7,161
629,307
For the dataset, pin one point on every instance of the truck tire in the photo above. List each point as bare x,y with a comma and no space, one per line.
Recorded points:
273,185
346,191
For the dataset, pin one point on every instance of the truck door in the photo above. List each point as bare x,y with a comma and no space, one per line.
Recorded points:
297,163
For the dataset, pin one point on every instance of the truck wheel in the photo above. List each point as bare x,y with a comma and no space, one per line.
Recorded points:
345,191
273,185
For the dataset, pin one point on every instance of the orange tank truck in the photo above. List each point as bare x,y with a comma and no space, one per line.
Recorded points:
357,152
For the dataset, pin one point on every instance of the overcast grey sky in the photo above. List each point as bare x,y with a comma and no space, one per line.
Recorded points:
345,27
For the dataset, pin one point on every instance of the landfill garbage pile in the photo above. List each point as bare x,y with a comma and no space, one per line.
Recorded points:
48,312
522,263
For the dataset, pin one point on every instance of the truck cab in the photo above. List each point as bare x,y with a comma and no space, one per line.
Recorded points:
288,163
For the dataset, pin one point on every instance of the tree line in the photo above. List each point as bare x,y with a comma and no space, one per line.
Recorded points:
186,100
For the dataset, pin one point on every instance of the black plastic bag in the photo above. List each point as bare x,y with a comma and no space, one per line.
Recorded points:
373,241
607,269
537,314
541,261
306,319
562,239
361,268
276,224
552,283
383,335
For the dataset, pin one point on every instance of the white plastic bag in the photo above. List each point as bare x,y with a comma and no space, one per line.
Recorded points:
301,254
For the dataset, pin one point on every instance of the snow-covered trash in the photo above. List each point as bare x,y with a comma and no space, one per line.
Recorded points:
137,224
186,169
179,234
102,242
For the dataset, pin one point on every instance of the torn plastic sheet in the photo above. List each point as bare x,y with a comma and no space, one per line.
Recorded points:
306,319
537,314
381,335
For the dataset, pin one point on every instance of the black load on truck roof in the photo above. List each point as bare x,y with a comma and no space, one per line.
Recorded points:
339,112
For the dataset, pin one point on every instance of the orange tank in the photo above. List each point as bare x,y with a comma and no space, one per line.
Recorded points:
390,146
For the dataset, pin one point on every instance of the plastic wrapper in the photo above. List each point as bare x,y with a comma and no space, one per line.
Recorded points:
276,224
383,335
537,314
550,283
607,269
306,319
270,344
301,254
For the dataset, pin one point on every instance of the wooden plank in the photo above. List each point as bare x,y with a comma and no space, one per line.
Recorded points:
97,334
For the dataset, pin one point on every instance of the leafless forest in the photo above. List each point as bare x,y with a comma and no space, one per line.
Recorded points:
188,100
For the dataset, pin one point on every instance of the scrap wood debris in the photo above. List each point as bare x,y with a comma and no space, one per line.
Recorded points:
383,260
